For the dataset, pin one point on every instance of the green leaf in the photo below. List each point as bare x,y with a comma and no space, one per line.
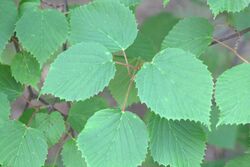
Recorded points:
21,146
176,143
176,86
8,54
219,6
106,22
232,95
149,162
113,138
143,48
4,108
151,35
81,111
191,34
218,59
26,116
48,32
119,85
25,69
27,5
240,20
8,84
8,16
165,2
71,156
217,135
241,161
217,163
52,126
82,71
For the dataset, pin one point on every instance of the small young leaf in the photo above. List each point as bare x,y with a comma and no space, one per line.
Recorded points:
71,156
21,146
80,72
8,84
113,138
232,95
26,116
174,143
106,22
8,17
25,69
52,126
48,32
81,111
176,86
219,6
190,34
4,108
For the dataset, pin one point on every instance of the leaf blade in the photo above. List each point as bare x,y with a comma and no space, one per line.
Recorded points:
164,85
100,22
114,128
87,63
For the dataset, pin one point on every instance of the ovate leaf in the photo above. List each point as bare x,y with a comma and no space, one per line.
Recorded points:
80,72
176,86
174,143
232,94
4,108
190,34
8,84
48,32
8,16
242,161
81,111
112,138
219,6
21,146
107,22
52,126
71,156
25,69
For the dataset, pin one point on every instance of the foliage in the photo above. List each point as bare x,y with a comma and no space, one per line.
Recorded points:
86,57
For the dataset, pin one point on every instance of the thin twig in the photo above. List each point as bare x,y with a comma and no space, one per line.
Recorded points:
128,92
237,34
126,60
126,65
231,49
16,43
30,97
32,117
66,6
